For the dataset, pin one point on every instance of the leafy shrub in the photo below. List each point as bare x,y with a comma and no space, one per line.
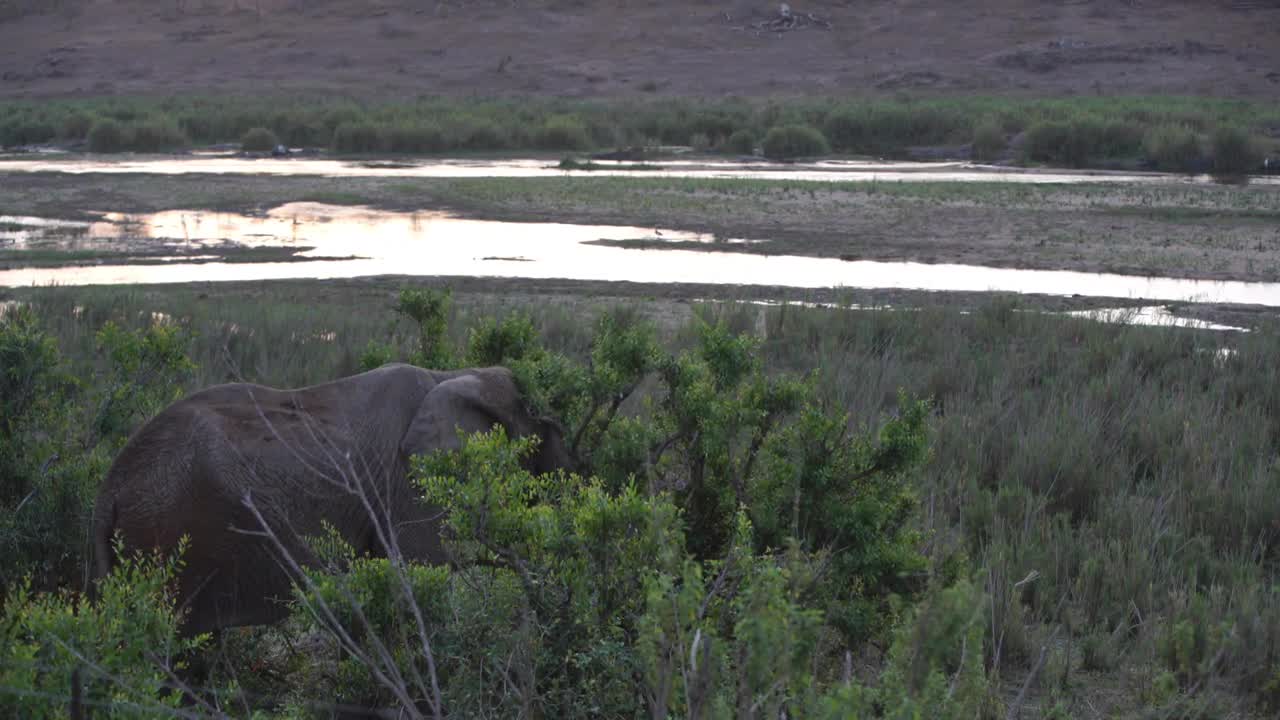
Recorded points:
741,142
123,649
494,342
58,434
154,136
259,140
429,309
358,137
888,128
791,141
1234,151
1076,143
415,139
478,134
75,126
1172,148
563,132
988,140
26,130
108,136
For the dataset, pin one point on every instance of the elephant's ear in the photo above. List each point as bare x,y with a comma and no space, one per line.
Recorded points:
473,403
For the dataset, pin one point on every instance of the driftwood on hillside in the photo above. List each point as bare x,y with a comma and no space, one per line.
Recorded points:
785,20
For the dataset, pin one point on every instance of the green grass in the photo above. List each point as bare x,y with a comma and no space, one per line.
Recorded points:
1129,471
1071,131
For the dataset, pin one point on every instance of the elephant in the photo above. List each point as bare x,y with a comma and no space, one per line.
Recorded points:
223,462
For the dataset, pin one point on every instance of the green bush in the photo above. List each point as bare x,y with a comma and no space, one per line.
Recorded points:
1234,151
61,424
494,342
1172,148
108,136
75,126
415,139
156,136
259,140
792,141
124,649
988,140
887,128
741,142
429,310
1079,142
26,130
563,132
358,137
479,134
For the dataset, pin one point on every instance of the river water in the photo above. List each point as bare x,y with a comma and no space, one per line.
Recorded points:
822,171
437,244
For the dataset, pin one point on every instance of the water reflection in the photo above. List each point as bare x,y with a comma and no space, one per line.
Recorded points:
436,244
1157,315
821,171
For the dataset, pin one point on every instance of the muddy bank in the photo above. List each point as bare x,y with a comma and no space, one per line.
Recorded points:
1197,232
379,292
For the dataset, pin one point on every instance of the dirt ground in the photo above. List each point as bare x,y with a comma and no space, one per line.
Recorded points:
572,48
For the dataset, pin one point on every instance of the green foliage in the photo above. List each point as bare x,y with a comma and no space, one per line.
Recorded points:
888,128
503,342
107,136
156,136
358,137
1234,151
146,369
112,136
563,132
28,366
741,142
123,649
935,666
429,309
259,139
1172,148
375,355
60,428
75,126
988,140
415,139
1109,128
1090,454
1080,142
792,141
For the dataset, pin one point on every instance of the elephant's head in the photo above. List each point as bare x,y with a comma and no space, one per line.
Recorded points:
474,402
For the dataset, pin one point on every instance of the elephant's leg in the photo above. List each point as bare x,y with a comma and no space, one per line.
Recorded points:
417,528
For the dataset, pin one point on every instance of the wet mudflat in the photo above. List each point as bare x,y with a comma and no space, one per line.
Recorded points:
1206,232
374,242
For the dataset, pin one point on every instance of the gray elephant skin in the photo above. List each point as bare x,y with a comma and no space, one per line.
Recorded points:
300,455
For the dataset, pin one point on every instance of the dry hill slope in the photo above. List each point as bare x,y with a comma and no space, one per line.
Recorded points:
601,49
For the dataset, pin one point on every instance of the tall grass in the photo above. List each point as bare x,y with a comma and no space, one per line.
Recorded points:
1127,474
1072,131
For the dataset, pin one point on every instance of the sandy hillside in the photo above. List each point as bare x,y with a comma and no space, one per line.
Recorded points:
612,48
